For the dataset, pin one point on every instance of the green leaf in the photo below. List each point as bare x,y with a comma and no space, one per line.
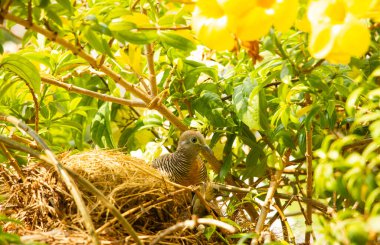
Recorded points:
66,4
251,105
285,74
256,166
97,42
24,69
176,41
256,117
227,153
312,113
101,132
210,106
127,32
352,100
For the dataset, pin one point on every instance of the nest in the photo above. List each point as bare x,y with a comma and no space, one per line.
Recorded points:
44,205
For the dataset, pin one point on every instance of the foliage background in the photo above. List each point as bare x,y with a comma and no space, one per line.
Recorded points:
252,112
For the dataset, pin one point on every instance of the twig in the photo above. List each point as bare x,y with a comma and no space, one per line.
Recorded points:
271,191
81,180
134,4
30,143
360,143
103,97
309,177
50,157
288,232
266,206
320,62
152,73
190,224
12,161
36,107
284,223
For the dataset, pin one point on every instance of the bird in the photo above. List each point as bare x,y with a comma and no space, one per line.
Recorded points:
184,166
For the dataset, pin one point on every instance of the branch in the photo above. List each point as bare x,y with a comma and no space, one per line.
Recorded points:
287,227
36,107
152,73
309,177
275,179
12,161
190,224
103,97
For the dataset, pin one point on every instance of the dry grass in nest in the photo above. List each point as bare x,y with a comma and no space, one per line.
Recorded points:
44,204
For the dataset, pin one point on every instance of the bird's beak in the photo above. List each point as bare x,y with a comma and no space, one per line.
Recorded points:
207,149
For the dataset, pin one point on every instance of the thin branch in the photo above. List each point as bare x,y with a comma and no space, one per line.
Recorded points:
2,27
152,73
285,221
320,62
30,143
12,161
360,143
36,107
103,97
309,177
191,224
316,204
275,179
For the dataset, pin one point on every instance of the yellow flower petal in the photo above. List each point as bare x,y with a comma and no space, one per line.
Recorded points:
359,7
255,24
236,7
213,32
303,24
354,38
338,58
321,41
285,14
210,8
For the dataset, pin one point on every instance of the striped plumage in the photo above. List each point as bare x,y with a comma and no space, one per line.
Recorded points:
184,166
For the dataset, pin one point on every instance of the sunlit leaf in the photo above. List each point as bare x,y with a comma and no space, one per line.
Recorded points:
24,69
101,132
176,41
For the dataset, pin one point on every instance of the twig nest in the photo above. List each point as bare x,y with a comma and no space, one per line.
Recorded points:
43,203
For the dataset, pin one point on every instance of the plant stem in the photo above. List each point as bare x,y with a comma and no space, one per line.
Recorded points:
309,178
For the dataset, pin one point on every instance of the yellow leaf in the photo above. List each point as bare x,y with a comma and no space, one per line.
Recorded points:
134,54
140,20
303,110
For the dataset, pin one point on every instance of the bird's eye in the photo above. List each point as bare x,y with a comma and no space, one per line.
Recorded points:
194,140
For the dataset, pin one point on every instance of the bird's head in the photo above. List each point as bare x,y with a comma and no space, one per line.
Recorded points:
193,141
